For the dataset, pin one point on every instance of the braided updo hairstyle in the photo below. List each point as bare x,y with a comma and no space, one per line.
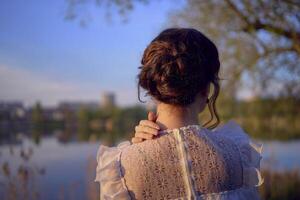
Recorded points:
177,65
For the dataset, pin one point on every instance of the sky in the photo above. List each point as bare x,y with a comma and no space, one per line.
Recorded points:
45,58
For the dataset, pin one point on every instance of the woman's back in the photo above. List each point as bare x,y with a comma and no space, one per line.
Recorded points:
185,163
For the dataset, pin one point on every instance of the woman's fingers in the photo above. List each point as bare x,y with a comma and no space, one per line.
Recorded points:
143,135
152,116
146,129
136,140
149,124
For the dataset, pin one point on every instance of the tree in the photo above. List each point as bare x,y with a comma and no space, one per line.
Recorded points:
259,40
79,9
83,124
37,122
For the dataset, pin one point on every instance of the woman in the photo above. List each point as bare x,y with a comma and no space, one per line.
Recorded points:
184,159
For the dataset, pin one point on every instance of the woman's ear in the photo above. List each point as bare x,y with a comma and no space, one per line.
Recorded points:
205,93
202,98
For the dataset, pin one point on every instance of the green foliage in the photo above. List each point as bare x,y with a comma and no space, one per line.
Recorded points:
262,118
84,117
40,124
110,124
255,40
37,117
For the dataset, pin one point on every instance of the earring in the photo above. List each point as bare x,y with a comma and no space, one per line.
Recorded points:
207,100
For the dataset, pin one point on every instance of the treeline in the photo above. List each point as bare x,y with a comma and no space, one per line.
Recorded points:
108,124
265,118
262,118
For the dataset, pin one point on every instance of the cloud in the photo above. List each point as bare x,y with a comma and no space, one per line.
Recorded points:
29,87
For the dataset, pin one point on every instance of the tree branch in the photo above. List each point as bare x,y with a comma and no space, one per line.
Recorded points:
277,30
258,25
238,12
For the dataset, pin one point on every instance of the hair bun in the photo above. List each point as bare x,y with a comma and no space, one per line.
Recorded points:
177,65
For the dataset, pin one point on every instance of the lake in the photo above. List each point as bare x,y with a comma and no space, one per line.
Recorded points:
69,168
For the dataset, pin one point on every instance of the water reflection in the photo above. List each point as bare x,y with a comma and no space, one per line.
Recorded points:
56,170
63,170
281,155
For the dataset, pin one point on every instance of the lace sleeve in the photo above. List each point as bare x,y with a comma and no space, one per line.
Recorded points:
250,152
108,172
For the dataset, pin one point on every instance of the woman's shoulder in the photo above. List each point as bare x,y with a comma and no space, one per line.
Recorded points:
249,150
108,156
231,129
234,132
108,171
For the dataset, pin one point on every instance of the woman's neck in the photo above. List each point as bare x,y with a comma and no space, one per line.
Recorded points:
170,117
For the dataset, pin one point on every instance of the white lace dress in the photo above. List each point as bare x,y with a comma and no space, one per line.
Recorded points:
190,162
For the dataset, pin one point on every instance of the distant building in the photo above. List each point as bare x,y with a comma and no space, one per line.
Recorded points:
13,109
108,99
52,114
13,119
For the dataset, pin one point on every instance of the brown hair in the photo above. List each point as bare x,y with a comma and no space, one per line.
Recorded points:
177,65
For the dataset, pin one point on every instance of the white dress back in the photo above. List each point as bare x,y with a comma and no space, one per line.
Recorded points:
190,162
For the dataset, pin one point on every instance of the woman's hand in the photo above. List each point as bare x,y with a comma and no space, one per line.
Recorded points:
146,130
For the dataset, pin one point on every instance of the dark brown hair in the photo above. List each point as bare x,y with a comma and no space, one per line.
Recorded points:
177,65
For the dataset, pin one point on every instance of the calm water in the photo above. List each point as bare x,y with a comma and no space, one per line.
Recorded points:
66,165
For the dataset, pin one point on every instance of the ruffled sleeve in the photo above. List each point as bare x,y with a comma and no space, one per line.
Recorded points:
250,152
108,172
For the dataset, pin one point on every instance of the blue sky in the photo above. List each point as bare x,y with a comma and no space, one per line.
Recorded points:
44,57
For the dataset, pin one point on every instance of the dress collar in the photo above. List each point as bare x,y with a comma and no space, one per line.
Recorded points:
183,128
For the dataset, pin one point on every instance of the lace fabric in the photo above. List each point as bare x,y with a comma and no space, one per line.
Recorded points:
186,163
152,170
